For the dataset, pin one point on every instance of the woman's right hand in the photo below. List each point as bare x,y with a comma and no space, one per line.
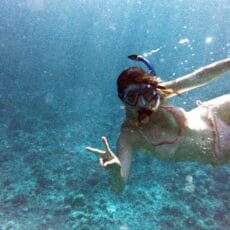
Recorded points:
106,157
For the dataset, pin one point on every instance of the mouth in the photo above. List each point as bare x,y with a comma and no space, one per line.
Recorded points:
143,114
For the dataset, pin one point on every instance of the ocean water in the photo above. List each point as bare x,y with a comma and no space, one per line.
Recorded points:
59,61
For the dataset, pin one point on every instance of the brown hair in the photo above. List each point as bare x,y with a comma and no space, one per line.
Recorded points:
136,75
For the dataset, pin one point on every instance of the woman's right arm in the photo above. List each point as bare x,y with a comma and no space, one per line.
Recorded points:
118,177
118,166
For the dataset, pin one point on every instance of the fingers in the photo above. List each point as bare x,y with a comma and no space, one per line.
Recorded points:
114,161
111,162
97,151
106,144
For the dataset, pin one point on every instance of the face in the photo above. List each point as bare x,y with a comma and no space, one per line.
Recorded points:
138,96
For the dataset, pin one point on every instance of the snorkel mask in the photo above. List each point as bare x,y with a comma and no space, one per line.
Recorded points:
148,92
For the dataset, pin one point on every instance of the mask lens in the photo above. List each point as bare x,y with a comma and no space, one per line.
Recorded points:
132,98
148,94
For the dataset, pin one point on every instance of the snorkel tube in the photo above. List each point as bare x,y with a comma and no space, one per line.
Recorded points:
135,57
152,72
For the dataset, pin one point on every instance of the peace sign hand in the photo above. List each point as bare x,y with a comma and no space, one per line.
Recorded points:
107,157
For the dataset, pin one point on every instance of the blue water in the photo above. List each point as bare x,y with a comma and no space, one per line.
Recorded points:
59,61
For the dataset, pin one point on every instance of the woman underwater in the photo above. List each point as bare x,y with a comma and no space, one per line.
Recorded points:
162,130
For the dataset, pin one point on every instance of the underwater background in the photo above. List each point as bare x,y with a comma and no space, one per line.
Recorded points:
59,61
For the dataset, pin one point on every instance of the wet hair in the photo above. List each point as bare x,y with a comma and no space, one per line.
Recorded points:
136,75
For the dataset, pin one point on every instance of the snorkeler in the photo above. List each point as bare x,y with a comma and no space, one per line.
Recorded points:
162,130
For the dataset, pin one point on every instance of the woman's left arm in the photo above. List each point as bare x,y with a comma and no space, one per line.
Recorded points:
199,77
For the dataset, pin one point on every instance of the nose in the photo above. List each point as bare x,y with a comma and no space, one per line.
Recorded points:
141,101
